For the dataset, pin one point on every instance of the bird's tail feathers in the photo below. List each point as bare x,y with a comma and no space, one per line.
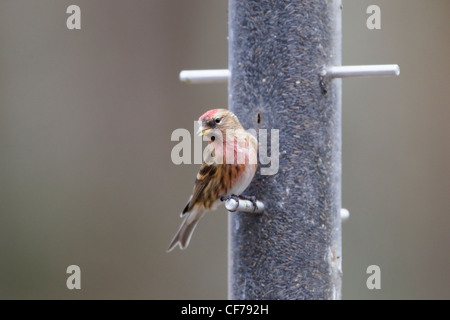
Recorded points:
184,234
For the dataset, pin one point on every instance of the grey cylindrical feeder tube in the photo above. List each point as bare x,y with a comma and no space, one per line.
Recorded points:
277,50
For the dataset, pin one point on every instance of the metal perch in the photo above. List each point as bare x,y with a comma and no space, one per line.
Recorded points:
241,205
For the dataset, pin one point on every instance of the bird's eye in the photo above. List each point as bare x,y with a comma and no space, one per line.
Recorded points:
218,120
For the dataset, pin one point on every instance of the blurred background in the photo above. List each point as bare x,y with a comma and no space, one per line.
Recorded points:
86,176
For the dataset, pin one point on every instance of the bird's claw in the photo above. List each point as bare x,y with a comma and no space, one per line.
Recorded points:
228,197
252,199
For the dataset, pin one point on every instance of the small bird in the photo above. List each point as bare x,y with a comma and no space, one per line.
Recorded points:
234,151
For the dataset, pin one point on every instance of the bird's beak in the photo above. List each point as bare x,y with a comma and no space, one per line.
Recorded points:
202,131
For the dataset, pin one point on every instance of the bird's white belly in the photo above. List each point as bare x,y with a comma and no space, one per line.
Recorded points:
243,181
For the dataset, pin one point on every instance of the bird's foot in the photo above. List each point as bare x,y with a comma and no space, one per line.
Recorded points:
228,197
244,204
252,199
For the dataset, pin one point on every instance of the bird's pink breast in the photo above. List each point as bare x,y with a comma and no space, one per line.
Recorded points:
242,181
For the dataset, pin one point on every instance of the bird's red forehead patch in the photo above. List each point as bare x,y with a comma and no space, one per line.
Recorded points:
208,114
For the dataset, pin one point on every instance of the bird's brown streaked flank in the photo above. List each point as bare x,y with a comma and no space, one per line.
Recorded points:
234,160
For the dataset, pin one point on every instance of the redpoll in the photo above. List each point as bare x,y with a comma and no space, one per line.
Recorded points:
227,171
